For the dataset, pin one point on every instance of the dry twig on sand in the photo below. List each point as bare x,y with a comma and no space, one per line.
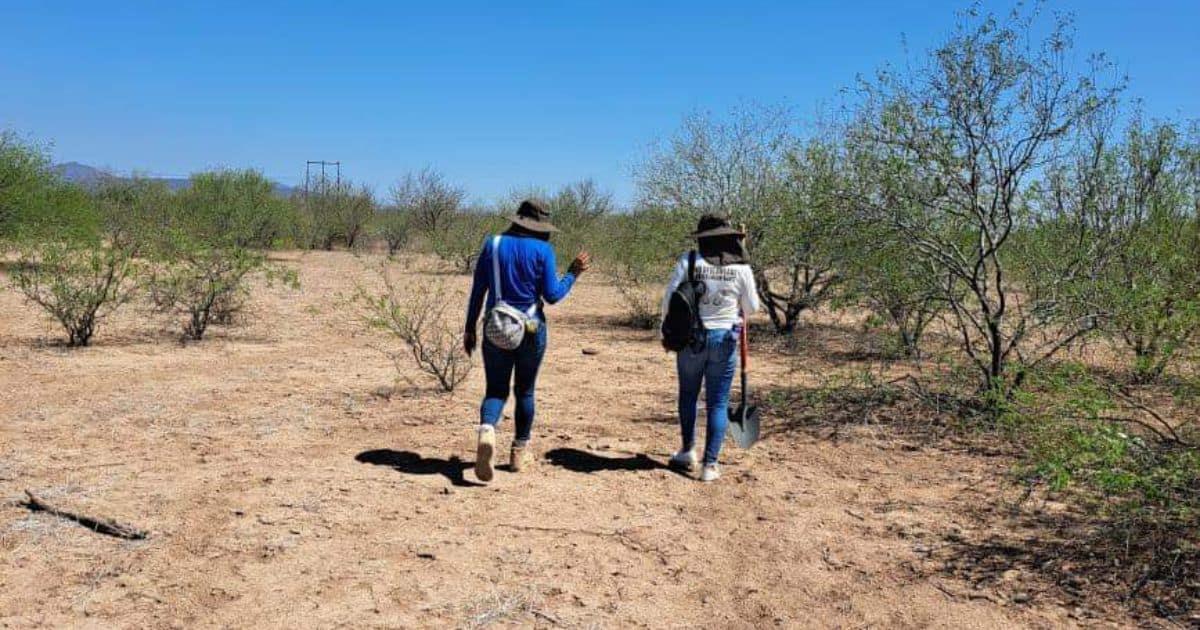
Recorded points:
97,524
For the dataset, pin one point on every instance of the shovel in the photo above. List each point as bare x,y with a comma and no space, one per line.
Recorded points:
744,420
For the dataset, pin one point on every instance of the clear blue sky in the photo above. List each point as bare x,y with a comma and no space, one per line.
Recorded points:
496,95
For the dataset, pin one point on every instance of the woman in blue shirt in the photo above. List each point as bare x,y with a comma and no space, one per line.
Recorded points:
528,276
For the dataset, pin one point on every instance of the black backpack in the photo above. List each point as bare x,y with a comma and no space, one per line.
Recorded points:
682,326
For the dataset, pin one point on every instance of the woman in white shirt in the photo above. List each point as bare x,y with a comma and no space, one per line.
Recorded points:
730,295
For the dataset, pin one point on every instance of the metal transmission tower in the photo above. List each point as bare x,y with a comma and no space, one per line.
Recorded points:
324,181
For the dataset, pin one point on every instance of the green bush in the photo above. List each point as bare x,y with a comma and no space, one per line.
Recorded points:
34,203
331,214
207,284
752,167
461,238
639,252
394,227
955,144
137,213
1139,471
24,178
237,207
78,283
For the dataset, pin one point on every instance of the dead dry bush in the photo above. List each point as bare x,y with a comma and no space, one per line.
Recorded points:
640,296
417,315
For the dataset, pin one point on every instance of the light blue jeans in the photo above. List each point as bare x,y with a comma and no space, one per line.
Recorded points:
714,365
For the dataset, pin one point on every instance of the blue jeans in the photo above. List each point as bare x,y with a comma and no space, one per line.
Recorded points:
499,366
714,364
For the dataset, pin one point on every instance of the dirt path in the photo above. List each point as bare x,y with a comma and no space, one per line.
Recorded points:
282,489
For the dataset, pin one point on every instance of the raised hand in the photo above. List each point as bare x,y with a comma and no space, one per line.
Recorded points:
582,263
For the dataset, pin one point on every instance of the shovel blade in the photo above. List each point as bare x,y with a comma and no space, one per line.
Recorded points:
744,425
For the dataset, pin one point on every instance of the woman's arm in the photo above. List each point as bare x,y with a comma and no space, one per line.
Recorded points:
553,288
749,296
479,287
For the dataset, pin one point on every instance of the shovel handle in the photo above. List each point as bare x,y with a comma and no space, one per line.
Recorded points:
744,346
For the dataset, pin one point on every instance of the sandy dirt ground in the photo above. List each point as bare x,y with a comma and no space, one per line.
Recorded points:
289,477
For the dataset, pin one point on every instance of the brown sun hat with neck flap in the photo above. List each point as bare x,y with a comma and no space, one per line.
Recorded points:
532,215
719,242
715,225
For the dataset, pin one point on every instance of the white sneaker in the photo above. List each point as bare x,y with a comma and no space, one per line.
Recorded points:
711,472
484,450
685,460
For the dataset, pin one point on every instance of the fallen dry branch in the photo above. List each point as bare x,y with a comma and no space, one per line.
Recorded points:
100,525
546,616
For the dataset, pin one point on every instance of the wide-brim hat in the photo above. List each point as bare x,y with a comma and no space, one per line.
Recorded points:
533,216
715,225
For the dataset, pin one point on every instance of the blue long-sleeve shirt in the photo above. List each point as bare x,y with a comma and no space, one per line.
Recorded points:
528,275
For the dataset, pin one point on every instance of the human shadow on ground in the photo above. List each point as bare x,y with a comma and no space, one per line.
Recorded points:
412,463
576,460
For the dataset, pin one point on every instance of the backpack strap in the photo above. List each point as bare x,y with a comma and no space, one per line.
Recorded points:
692,266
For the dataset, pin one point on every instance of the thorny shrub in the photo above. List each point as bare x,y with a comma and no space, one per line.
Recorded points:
417,315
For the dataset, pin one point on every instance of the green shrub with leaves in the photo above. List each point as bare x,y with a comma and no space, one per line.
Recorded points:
957,141
885,272
578,210
137,213
461,237
24,176
206,284
78,283
238,207
1151,288
394,227
898,287
333,213
35,205
639,253
1137,470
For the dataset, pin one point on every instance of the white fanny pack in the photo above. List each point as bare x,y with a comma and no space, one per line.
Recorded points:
506,325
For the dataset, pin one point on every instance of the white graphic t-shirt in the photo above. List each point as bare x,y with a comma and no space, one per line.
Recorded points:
727,287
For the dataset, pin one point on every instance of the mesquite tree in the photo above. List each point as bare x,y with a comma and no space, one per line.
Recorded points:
235,206
24,171
1141,189
429,200
206,284
333,212
750,167
78,283
969,129
394,226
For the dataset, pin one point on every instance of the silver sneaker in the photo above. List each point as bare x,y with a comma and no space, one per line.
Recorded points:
711,472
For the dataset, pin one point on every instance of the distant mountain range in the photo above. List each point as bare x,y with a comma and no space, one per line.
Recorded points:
90,177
